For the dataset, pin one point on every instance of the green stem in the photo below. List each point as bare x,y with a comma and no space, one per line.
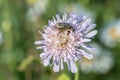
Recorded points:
77,76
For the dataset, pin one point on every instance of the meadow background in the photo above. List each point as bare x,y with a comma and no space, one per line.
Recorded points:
20,21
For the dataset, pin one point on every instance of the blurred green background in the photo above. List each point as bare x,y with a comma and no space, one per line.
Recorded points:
20,21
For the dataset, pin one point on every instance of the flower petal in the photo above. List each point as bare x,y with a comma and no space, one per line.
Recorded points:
86,22
90,27
68,64
38,42
45,58
91,34
87,47
44,55
56,68
40,47
58,17
88,56
62,67
73,67
86,40
46,62
64,17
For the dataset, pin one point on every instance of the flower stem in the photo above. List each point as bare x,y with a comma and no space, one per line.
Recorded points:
77,76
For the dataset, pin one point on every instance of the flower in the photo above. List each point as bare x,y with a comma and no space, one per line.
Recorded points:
36,9
102,63
64,40
110,33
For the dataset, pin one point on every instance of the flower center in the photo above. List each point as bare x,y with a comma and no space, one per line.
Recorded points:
63,38
64,30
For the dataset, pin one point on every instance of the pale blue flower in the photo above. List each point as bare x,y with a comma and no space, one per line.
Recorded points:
64,40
